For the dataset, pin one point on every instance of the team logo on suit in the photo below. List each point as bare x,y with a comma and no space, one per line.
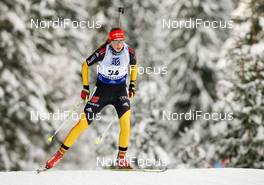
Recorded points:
116,61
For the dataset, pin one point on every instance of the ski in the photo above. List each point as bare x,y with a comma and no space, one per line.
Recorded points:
40,170
140,170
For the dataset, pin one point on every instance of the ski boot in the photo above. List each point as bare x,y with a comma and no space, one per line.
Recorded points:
122,162
54,160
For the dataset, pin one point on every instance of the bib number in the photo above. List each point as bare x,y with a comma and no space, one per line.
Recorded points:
113,72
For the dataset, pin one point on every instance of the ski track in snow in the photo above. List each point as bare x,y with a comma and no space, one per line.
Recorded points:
227,176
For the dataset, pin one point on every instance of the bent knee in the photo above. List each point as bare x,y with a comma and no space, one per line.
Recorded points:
83,124
125,120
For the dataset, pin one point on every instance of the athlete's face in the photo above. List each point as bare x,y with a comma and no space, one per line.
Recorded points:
117,45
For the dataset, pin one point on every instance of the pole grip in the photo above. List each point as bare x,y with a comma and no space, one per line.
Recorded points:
121,10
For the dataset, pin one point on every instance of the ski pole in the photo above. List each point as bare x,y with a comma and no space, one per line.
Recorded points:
100,139
50,138
121,10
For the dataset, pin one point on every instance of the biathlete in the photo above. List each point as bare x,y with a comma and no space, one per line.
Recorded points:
114,58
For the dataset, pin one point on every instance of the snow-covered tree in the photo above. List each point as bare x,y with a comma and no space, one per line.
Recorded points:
191,55
39,70
241,90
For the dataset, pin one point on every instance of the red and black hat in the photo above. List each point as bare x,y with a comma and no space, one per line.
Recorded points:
116,34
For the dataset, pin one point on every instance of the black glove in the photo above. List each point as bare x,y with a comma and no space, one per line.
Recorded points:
132,89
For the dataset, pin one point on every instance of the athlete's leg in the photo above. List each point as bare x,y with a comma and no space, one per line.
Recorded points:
74,133
92,107
122,106
72,136
124,134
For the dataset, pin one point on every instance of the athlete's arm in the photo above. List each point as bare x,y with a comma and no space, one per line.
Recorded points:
85,73
133,65
85,93
133,72
96,56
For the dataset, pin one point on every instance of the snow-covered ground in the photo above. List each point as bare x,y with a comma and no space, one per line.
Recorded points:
227,176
